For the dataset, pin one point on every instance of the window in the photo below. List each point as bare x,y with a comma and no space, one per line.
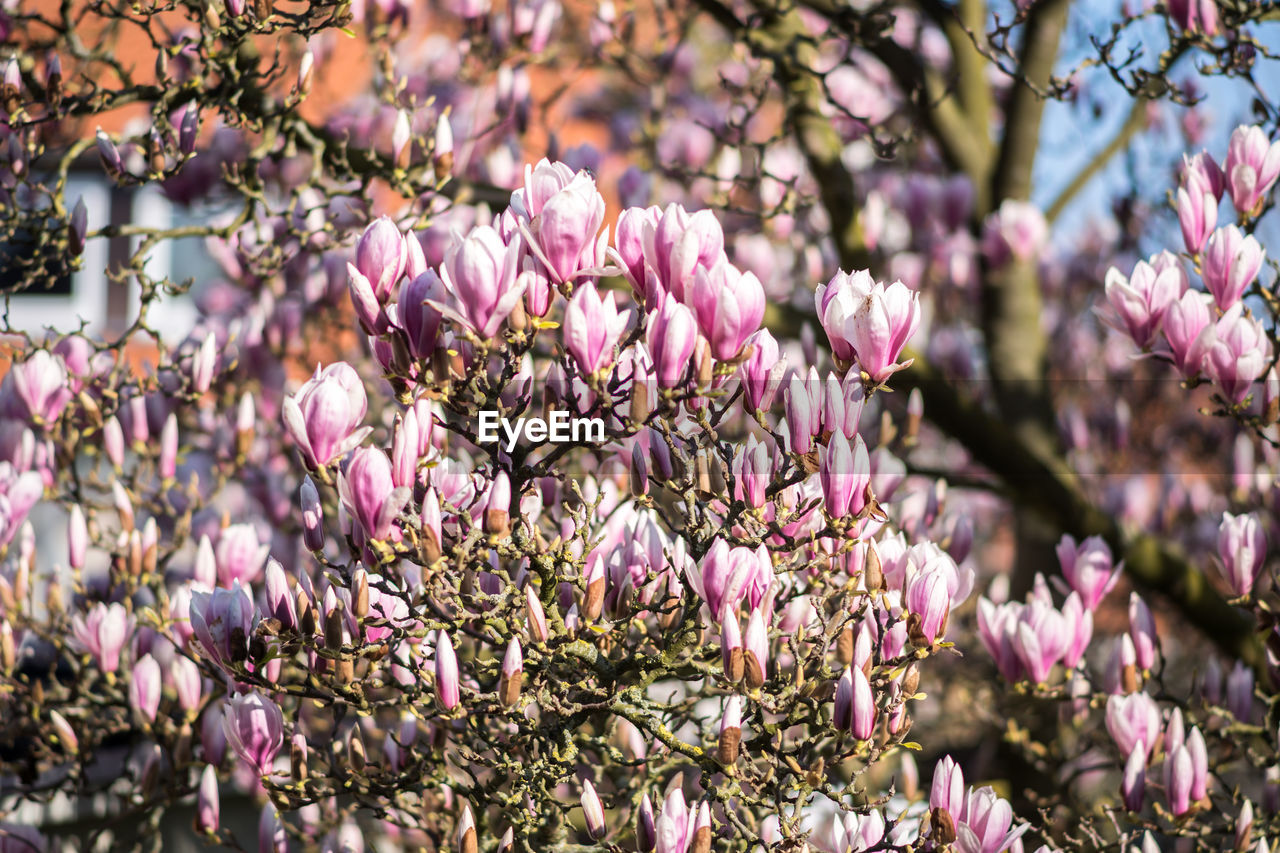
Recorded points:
75,296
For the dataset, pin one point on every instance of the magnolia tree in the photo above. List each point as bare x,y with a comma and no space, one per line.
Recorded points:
776,471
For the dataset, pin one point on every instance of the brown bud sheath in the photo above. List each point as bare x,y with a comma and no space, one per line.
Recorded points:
306,613
360,593
844,646
944,827
872,570
639,402
518,320
333,629
753,670
594,601
467,844
911,679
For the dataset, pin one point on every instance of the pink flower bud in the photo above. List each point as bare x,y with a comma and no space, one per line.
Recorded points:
79,227
207,806
109,153
752,468
1133,784
677,244
593,811
145,685
272,837
254,726
761,372
417,316
480,271
670,337
1197,214
646,831
565,229
381,256
447,689
1239,693
947,789
77,537
187,681
1142,629
1179,773
369,492
1017,231
729,305
240,555
837,302
538,631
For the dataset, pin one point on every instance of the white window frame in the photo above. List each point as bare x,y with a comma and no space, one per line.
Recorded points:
33,312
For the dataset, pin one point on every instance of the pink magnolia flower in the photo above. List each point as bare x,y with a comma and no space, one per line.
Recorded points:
254,728
1142,299
1252,166
1195,16
36,390
1231,263
728,304
103,633
324,416
381,256
1237,353
1131,720
837,302
881,327
671,337
1242,548
677,244
1184,324
592,326
369,493
222,622
1017,231
562,234
480,270
1088,568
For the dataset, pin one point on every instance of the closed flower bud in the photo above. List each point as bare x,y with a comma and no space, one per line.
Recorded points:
512,674
646,833
701,841
1133,783
442,152
145,688
535,615
730,731
447,688
312,516
298,757
594,579
593,811
79,227
306,70
862,710
497,515
467,841
207,807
